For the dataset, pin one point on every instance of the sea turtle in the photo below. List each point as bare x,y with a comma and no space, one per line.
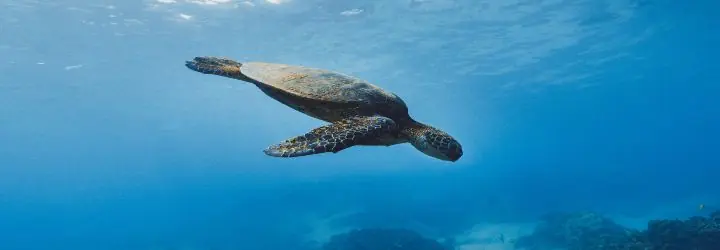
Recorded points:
359,113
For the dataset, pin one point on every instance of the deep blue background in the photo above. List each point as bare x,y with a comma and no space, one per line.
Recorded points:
108,142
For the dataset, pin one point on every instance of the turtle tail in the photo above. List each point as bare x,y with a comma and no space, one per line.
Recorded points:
216,66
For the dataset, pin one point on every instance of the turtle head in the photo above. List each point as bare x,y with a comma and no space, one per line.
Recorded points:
432,141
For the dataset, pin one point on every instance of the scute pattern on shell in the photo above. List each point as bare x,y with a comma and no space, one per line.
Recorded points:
330,86
293,76
335,137
318,84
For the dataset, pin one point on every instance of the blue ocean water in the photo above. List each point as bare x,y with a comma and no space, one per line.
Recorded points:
108,142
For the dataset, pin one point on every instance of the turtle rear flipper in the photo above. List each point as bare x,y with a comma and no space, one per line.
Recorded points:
336,136
216,66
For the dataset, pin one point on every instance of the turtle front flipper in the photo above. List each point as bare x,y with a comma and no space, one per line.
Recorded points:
365,130
215,66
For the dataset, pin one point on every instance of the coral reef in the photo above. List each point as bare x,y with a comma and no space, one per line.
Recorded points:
591,231
587,231
701,233
382,239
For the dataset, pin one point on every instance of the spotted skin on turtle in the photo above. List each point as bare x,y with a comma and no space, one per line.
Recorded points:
335,137
359,112
215,66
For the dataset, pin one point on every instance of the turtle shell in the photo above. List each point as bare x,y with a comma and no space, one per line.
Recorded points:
317,84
